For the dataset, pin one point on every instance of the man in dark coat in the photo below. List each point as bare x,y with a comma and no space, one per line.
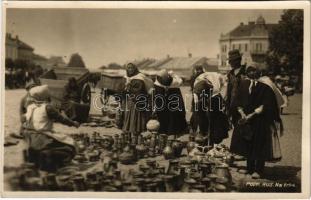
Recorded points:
255,135
234,78
169,104
72,104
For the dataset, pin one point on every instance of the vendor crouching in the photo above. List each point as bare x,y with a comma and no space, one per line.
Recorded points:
47,149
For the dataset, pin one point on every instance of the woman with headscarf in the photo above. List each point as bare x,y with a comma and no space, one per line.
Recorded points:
48,149
169,103
136,107
256,135
209,90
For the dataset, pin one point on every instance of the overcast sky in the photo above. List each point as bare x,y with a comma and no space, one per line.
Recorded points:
103,36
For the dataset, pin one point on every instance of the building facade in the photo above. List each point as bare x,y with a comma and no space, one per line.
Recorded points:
17,49
251,39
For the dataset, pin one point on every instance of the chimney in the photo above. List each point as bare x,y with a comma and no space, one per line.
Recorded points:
168,56
190,55
241,24
16,37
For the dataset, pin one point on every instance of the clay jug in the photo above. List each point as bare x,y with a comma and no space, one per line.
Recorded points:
162,142
191,144
140,148
177,146
116,141
222,170
168,152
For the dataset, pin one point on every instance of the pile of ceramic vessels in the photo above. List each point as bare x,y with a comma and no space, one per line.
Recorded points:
186,175
204,169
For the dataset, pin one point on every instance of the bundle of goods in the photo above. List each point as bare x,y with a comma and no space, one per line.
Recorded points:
99,122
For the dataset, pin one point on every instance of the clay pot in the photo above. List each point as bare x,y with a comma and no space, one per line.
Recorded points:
50,182
188,183
220,188
64,183
169,183
173,168
132,188
78,183
206,167
198,188
199,156
223,171
107,142
128,156
207,182
153,125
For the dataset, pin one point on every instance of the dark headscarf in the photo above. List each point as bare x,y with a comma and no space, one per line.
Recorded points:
131,70
201,86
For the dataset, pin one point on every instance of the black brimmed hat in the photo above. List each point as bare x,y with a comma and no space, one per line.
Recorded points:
234,54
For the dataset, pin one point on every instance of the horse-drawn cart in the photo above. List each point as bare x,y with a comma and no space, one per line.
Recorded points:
57,79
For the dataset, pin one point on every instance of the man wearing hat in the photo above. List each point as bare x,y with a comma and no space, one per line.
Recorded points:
255,134
234,78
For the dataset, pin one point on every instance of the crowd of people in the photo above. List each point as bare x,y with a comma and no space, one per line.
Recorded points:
245,100
18,78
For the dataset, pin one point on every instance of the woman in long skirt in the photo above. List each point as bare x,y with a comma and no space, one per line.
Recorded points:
137,109
169,104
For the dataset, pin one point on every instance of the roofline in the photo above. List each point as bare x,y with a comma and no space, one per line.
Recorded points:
243,37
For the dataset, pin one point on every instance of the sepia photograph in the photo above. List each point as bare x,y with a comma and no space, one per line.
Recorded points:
156,100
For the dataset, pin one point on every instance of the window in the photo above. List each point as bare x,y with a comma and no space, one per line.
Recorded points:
224,48
245,47
233,46
240,47
258,47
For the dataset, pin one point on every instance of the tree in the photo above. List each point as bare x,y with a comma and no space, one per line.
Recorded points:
286,43
76,61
